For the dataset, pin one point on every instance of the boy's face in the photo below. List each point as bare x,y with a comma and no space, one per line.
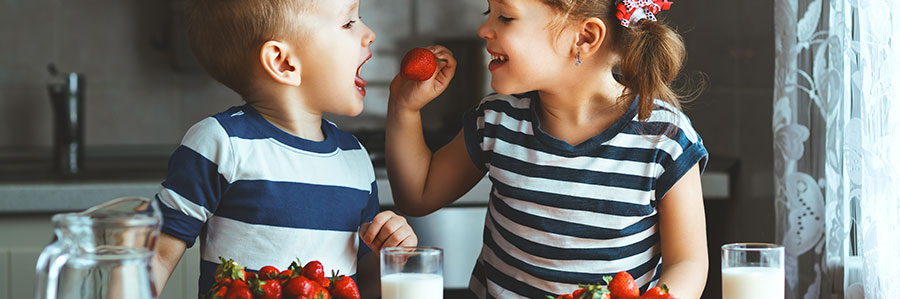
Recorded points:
524,48
332,56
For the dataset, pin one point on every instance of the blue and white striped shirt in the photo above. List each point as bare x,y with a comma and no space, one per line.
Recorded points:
561,215
261,196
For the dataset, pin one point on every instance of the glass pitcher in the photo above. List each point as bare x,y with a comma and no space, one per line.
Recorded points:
102,252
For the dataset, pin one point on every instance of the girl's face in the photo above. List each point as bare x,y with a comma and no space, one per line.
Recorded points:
527,53
332,56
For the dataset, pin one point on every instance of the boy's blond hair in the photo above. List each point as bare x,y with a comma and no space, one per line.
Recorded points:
226,35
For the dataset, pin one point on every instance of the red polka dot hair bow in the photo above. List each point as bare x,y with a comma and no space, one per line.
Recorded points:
631,11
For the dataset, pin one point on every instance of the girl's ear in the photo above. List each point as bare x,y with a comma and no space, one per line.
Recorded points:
590,37
279,63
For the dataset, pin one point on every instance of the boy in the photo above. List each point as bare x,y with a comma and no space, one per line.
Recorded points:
271,181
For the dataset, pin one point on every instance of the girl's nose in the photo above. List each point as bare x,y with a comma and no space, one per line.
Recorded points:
484,31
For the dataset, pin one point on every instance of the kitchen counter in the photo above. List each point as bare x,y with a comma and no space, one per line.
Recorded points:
27,184
67,195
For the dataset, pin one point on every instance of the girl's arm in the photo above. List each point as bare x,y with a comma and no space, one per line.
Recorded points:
682,227
422,181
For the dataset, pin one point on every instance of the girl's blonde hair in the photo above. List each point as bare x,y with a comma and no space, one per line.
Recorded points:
225,35
651,53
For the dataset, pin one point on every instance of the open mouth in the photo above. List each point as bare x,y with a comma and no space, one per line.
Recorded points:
497,61
359,81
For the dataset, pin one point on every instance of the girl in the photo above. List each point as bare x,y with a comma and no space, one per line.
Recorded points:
592,172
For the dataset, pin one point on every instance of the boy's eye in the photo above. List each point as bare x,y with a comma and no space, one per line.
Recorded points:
349,24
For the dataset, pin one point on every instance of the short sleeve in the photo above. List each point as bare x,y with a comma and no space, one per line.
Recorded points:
368,214
196,180
688,152
473,133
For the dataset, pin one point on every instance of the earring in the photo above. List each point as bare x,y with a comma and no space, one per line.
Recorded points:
578,58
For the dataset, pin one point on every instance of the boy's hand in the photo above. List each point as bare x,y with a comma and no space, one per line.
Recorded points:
387,230
413,95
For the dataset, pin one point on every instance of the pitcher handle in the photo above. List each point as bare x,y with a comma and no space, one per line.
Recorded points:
49,264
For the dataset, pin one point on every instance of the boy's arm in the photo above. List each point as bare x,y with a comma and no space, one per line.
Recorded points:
168,252
682,228
422,181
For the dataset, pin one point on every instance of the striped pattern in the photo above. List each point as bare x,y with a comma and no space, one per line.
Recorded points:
256,194
560,215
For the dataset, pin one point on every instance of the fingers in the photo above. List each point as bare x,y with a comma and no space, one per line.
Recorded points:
446,66
387,230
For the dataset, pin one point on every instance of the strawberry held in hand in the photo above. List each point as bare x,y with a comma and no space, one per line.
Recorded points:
418,64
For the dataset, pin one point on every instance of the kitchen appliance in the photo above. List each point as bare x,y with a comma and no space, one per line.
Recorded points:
67,101
102,252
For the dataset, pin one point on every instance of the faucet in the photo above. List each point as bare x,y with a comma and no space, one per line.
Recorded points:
67,101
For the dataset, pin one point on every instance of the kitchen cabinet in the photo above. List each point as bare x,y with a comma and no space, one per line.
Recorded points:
22,238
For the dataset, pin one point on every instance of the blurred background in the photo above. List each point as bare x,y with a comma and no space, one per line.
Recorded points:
142,89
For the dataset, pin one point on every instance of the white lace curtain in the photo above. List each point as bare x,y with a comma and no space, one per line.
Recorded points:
836,124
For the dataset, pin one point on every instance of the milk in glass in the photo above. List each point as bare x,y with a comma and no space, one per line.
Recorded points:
412,286
752,283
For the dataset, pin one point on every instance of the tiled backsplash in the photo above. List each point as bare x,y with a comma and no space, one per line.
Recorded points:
136,95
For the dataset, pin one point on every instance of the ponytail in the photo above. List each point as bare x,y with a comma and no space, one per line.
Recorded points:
652,55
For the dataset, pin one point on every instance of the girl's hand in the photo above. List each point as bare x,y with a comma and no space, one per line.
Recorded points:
387,230
413,95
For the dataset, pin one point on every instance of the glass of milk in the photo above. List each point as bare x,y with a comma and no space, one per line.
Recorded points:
412,273
752,270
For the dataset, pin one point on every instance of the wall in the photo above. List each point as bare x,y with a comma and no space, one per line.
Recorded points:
136,94
733,43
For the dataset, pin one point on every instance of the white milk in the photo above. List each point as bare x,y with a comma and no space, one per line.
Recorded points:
412,286
752,283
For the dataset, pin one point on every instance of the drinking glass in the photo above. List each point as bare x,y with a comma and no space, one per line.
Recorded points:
752,270
412,273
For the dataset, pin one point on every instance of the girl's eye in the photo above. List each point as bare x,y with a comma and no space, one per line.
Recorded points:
501,18
349,24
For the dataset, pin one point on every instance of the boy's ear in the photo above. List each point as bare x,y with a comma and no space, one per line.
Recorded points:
590,36
280,63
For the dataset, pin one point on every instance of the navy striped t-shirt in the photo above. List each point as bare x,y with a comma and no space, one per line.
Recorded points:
561,215
261,196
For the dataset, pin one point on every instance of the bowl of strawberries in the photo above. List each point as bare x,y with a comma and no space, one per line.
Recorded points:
297,281
620,286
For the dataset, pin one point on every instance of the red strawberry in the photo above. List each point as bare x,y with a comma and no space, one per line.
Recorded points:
657,292
285,276
320,293
418,64
623,286
220,292
229,270
343,287
577,293
238,284
299,286
267,289
267,272
314,270
239,293
324,282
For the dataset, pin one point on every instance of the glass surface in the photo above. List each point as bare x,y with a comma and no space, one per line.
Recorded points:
103,252
752,270
412,273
